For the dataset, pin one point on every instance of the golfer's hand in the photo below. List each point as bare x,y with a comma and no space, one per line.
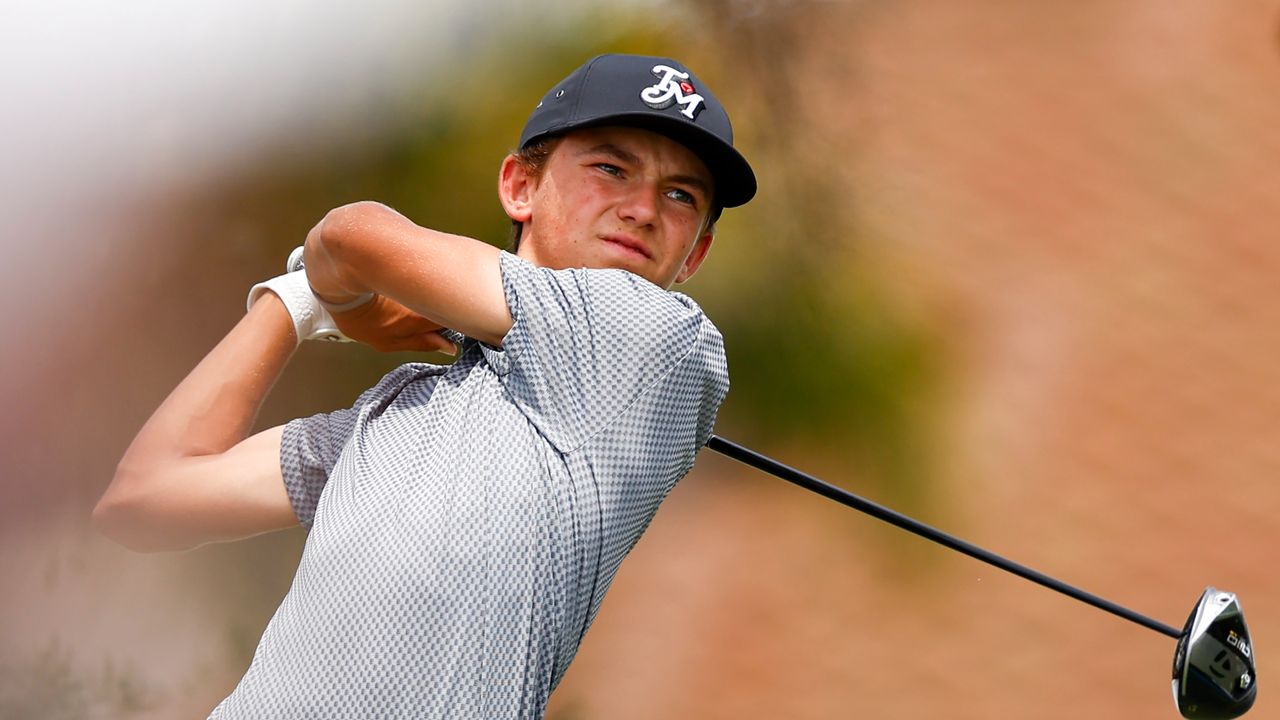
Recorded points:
386,325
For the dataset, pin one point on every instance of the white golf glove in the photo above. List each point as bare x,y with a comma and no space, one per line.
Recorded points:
311,318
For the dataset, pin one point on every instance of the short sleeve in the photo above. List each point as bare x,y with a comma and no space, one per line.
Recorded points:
310,446
309,449
587,344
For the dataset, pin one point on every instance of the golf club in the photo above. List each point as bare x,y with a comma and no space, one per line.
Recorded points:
1214,669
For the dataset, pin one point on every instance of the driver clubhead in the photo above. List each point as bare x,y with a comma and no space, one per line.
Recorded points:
1214,673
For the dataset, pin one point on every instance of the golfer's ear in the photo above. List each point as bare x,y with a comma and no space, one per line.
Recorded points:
696,256
515,189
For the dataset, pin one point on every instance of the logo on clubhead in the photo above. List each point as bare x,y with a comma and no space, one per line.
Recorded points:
1238,643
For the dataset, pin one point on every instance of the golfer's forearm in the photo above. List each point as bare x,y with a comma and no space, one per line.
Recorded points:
214,407
450,279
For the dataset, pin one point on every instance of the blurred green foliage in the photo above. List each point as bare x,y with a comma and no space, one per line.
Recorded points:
48,686
819,356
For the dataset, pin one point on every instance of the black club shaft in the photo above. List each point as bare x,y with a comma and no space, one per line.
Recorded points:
773,467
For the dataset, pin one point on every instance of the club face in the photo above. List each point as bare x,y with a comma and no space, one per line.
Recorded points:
1214,669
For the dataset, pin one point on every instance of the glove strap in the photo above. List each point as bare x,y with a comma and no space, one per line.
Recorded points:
311,321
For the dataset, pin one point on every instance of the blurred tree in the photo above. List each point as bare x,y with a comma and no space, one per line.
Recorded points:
818,354
48,685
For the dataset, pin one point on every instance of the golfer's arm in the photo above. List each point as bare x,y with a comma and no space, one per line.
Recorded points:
453,280
191,476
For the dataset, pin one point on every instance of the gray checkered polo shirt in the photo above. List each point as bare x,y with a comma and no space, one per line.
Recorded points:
466,520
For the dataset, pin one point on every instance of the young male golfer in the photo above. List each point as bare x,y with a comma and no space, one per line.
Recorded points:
465,520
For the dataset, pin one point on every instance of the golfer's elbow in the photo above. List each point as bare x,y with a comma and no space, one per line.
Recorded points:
109,520
130,517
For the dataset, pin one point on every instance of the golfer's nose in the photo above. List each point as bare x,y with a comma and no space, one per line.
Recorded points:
639,206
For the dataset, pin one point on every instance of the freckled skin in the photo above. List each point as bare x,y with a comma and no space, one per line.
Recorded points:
614,197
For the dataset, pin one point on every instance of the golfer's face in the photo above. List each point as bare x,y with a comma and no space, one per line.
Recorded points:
615,197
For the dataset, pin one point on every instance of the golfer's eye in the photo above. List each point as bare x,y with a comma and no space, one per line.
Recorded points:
611,169
682,196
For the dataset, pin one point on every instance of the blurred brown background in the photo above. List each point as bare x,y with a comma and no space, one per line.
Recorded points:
1012,269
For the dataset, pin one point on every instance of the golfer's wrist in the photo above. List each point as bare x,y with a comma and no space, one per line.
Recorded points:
342,302
271,311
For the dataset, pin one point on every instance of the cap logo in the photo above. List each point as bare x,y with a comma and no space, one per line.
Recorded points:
673,87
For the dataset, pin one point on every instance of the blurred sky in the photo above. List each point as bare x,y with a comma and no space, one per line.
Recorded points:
106,103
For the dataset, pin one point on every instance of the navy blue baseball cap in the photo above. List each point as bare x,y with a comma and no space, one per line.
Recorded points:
653,93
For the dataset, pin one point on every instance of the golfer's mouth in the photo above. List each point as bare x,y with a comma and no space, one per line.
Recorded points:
628,245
